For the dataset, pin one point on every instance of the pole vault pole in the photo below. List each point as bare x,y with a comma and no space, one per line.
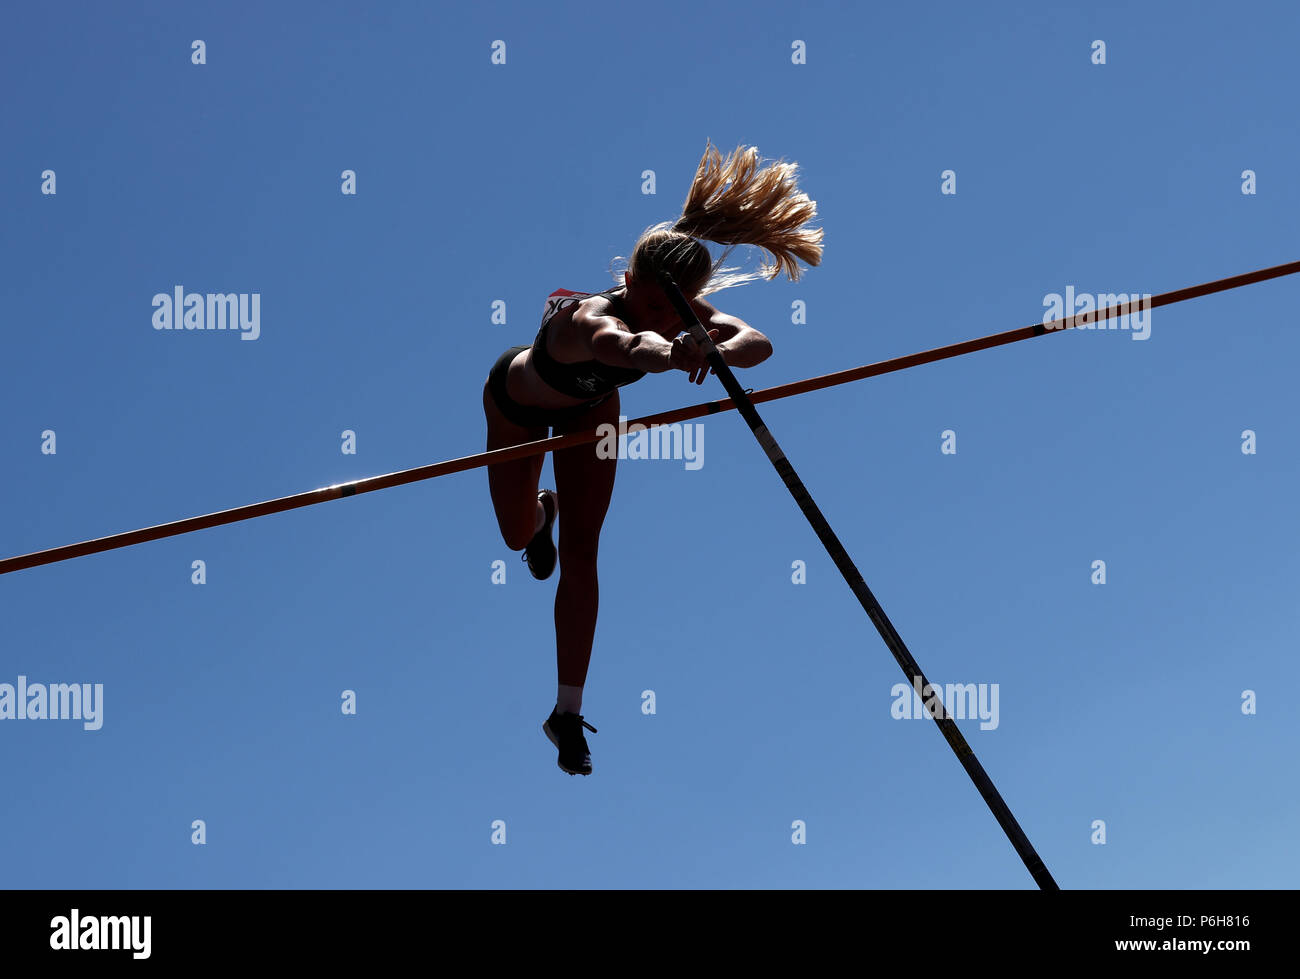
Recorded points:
369,484
915,678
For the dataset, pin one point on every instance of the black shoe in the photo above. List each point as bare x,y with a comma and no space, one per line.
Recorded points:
540,552
565,732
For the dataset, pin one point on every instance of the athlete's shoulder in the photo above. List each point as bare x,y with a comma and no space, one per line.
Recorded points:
573,294
559,299
562,299
602,302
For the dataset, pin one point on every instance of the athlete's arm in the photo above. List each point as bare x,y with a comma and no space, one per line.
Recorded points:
612,342
739,343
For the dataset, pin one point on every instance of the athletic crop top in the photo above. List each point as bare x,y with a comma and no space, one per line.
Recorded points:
584,379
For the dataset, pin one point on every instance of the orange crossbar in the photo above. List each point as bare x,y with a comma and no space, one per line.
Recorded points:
373,483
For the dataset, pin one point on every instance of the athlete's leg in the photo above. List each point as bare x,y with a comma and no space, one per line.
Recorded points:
513,484
584,483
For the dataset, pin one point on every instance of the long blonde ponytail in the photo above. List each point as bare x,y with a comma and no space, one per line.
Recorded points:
733,202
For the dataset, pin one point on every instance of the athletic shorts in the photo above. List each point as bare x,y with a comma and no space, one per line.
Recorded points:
527,415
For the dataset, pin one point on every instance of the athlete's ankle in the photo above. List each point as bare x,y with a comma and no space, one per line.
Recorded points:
568,700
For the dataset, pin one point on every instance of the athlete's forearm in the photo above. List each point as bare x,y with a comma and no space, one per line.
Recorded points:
647,352
746,349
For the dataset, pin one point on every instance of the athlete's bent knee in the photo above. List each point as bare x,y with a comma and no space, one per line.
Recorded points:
517,538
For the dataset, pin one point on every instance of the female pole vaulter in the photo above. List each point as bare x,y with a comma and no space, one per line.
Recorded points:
591,344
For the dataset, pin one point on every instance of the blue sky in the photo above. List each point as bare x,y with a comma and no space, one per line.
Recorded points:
480,183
